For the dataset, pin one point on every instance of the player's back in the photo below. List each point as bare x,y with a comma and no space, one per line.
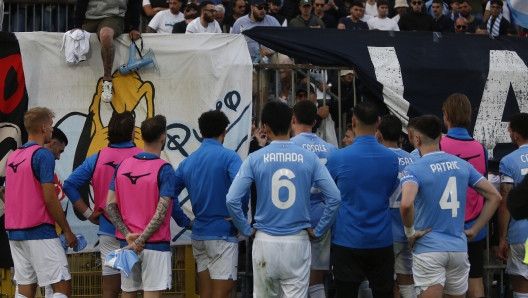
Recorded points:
404,159
441,200
514,167
322,149
284,174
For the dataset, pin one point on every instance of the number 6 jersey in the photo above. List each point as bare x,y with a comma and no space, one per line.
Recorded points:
283,173
440,204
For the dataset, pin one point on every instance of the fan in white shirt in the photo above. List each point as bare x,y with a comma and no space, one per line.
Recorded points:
206,23
164,21
371,8
382,22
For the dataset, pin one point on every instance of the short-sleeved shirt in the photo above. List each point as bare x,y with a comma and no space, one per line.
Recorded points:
440,204
513,168
164,21
196,27
384,24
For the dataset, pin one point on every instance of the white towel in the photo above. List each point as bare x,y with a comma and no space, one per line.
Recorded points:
76,45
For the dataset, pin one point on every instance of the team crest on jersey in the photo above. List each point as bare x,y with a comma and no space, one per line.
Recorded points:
15,166
134,179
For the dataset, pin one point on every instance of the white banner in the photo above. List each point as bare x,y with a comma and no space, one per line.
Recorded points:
197,73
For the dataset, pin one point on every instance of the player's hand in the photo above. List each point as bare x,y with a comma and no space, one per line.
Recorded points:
191,225
134,35
504,250
94,218
311,234
417,234
71,239
131,237
252,236
495,252
135,246
265,51
261,136
470,234
323,112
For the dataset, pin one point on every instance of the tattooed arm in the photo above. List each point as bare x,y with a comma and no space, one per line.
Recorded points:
156,221
492,200
115,214
504,220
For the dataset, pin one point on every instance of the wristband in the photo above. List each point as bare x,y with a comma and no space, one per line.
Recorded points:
87,213
409,232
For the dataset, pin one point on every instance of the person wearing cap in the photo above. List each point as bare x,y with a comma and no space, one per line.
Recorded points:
206,23
306,18
401,7
189,14
274,6
381,21
416,19
353,22
318,10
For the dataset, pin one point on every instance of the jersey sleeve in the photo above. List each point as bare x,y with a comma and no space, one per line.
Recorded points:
190,29
333,164
235,197
166,181
331,194
154,23
474,176
44,165
506,172
80,176
408,175
217,28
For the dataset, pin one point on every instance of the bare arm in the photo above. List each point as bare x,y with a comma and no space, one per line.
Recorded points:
82,208
341,26
504,219
149,11
409,192
115,214
156,221
492,200
55,209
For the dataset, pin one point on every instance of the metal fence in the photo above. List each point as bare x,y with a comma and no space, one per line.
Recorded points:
41,15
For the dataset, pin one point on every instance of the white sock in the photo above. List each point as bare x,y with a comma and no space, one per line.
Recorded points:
20,296
16,290
520,295
59,295
48,291
316,291
407,291
364,290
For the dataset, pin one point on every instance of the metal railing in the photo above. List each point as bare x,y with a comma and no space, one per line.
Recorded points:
38,15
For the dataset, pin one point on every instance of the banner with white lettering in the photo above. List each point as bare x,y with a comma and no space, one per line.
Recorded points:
412,73
197,73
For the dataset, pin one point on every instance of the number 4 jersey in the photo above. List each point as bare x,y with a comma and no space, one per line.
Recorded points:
440,204
283,173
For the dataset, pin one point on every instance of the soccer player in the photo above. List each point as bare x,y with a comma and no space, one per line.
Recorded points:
513,168
388,135
284,174
304,113
100,168
410,134
349,137
139,204
434,199
58,142
32,209
366,173
207,174
458,142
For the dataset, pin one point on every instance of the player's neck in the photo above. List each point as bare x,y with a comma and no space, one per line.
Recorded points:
39,139
426,149
273,137
152,148
298,129
389,144
522,142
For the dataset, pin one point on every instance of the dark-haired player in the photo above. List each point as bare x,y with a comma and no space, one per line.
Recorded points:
434,200
388,135
284,174
207,174
100,168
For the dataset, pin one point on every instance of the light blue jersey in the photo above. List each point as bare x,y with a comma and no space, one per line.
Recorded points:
404,159
284,174
416,153
513,168
322,149
440,204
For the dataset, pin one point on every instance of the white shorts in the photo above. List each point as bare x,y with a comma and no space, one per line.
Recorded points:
403,258
218,256
39,261
321,252
151,273
108,244
449,269
515,265
281,263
